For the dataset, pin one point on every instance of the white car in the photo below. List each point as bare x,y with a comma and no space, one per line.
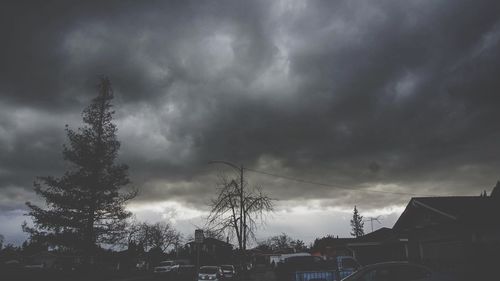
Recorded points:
212,273
164,267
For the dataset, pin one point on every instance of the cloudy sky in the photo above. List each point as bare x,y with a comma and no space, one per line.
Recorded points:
393,96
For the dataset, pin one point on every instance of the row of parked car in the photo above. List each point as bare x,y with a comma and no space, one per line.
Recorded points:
345,268
177,271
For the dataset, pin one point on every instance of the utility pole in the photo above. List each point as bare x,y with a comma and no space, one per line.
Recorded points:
198,240
233,196
243,226
243,215
242,221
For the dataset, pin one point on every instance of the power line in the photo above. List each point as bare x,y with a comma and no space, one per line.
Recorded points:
336,186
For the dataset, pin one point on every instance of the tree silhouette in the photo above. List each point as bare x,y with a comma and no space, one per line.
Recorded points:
161,235
238,209
85,207
282,242
357,224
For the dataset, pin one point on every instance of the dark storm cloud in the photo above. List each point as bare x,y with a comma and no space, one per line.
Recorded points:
398,96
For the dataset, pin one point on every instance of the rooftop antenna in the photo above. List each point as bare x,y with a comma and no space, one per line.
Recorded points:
371,219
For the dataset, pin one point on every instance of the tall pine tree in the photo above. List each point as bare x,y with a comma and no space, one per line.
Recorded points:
357,224
85,207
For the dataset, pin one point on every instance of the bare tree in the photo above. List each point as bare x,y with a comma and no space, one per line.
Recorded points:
161,235
283,242
237,210
132,231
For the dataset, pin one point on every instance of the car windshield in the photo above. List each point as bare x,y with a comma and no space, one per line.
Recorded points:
227,267
208,270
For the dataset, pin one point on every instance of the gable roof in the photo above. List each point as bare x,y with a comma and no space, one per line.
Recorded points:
471,210
495,193
321,244
378,235
212,241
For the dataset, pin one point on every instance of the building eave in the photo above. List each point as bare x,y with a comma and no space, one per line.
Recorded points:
416,202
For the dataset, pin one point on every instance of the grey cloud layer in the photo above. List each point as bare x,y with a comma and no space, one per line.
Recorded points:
394,95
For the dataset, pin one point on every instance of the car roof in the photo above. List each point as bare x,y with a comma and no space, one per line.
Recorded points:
395,263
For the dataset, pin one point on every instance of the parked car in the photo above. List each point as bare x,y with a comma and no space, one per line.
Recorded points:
164,267
35,266
228,270
182,272
14,263
400,271
212,273
306,268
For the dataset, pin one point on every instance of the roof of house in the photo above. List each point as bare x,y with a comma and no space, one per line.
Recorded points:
378,235
471,210
495,193
213,241
330,241
44,254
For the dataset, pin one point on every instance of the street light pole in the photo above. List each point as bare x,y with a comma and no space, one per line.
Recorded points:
236,167
242,220
243,227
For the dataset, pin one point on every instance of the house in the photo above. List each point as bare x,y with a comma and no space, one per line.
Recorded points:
10,256
45,259
453,233
331,246
381,245
211,252
52,260
260,256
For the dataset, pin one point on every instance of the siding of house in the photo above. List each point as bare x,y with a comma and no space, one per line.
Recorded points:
452,234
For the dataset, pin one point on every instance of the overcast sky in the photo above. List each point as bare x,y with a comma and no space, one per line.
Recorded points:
397,96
